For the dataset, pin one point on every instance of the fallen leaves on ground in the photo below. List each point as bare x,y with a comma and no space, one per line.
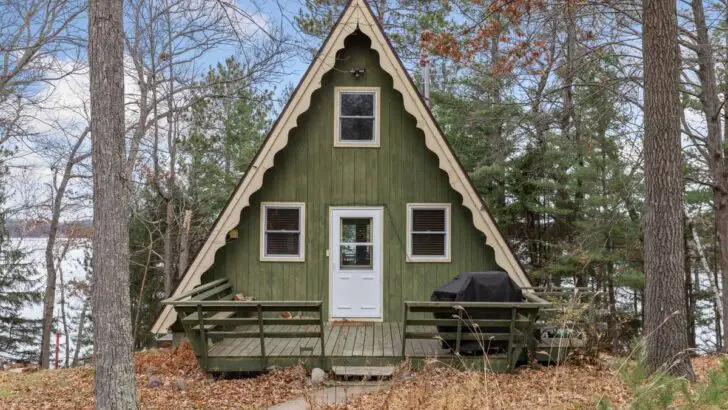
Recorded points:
74,388
436,387
703,364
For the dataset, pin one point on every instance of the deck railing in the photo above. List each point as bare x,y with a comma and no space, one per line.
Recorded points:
209,312
512,323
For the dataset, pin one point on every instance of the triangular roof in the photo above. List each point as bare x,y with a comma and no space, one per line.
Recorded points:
356,15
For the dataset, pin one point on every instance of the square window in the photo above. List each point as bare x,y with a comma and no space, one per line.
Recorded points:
428,232
357,117
282,232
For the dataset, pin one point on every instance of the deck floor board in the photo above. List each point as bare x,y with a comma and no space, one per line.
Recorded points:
379,339
364,340
369,340
351,333
331,338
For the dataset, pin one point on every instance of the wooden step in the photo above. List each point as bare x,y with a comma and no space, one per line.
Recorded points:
363,371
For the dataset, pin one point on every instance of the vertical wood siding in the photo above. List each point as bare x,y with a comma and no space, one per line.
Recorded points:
311,170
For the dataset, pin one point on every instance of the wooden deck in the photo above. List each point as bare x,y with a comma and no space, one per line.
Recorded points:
366,340
350,344
231,335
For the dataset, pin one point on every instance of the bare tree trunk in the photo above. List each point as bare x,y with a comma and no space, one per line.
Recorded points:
79,332
665,317
64,319
612,308
141,289
113,344
689,291
171,247
49,299
720,204
714,152
718,316
184,243
169,272
716,296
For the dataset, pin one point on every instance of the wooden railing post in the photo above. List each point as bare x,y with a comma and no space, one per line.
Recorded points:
404,331
321,327
530,338
511,361
203,336
262,336
459,334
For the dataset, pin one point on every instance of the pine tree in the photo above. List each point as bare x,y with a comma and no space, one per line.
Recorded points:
227,124
19,289
224,136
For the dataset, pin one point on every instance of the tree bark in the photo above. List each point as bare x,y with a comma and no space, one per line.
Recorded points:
714,152
665,326
111,302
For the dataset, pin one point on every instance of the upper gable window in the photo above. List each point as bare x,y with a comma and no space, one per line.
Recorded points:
357,117
282,232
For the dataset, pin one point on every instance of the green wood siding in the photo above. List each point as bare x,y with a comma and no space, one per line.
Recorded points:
311,170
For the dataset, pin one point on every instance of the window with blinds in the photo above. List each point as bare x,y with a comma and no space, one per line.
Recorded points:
282,232
428,232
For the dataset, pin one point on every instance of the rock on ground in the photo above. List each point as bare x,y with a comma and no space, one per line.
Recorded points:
154,381
318,376
181,384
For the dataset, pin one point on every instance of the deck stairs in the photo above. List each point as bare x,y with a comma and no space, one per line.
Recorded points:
364,372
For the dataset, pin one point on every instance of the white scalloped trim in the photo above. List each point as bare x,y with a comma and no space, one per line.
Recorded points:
357,14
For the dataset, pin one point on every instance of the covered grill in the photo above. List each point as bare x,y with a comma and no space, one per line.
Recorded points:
493,286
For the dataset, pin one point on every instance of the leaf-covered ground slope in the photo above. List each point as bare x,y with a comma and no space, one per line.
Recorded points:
183,386
74,388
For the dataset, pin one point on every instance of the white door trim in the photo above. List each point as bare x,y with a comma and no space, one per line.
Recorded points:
378,253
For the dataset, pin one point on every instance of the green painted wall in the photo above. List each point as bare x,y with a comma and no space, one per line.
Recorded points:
311,170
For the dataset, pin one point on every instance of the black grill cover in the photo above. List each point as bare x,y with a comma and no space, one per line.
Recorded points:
493,286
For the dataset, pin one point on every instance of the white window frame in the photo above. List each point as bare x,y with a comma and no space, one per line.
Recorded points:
301,257
337,112
448,232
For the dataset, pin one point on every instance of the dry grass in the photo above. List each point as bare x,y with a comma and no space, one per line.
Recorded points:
562,387
436,387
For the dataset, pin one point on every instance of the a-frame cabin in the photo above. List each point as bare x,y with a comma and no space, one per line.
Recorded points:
354,206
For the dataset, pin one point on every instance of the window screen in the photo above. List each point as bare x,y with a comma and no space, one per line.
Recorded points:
357,116
282,231
428,232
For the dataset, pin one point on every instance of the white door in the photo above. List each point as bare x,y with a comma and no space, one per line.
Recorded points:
356,263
